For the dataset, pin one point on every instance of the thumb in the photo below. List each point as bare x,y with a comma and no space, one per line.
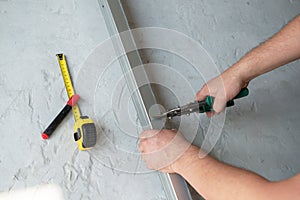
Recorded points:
202,94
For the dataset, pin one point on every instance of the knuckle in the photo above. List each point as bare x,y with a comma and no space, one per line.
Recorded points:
140,146
149,166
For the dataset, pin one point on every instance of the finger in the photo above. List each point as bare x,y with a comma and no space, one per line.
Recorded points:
219,105
174,130
149,166
143,158
210,114
142,152
148,134
177,132
245,85
140,147
203,92
142,142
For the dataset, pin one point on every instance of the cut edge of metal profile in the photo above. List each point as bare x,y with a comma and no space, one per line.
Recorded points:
174,185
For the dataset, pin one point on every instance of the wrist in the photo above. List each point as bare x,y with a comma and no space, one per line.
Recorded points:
240,74
189,156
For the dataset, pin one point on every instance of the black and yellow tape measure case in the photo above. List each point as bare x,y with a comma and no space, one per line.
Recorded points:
85,130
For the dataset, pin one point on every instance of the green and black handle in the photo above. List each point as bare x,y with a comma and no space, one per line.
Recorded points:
205,105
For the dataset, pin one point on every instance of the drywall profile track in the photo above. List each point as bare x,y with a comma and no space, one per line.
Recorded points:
143,98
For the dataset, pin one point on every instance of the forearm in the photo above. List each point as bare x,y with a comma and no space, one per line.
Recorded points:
167,151
215,180
281,49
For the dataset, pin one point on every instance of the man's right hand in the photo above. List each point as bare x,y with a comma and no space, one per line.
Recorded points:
224,88
259,60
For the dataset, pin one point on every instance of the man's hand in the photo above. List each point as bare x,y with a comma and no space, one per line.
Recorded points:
224,88
164,150
281,49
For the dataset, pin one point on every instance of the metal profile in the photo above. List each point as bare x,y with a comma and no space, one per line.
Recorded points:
143,98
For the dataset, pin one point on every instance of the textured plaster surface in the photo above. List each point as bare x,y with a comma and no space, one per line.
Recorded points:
261,133
32,93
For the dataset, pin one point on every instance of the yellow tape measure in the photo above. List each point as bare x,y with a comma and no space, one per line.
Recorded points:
68,83
85,130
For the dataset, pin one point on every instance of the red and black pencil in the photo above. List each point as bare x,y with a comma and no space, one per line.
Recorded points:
61,115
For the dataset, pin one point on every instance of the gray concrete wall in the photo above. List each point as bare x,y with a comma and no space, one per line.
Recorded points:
261,132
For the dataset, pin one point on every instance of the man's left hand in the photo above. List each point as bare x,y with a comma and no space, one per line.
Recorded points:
163,149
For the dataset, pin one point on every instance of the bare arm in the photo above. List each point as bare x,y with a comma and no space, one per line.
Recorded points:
216,180
169,152
281,49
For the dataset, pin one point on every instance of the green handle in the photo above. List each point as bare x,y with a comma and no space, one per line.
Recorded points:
210,100
244,92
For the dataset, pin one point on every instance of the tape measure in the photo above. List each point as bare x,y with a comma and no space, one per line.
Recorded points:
85,130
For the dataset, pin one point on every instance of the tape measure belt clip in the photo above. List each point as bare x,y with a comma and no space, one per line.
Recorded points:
90,139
